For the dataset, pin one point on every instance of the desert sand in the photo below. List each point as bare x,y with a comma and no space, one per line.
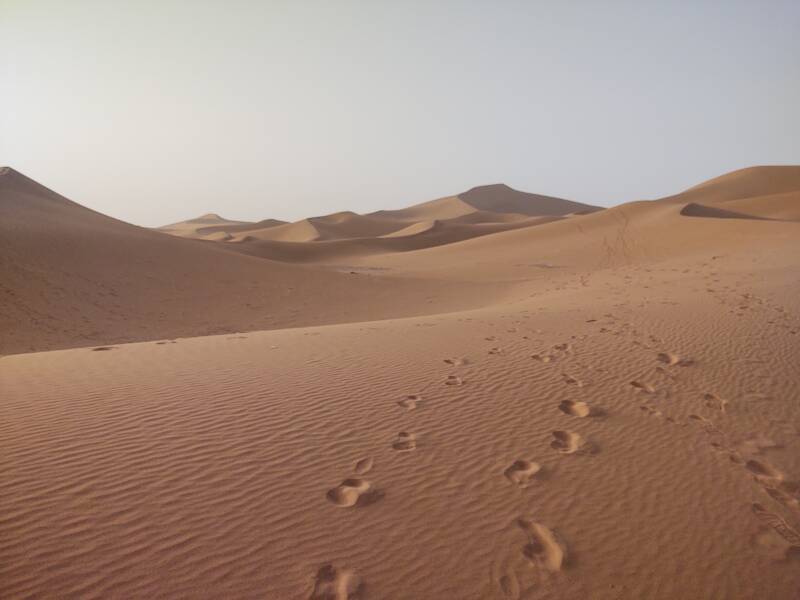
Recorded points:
490,395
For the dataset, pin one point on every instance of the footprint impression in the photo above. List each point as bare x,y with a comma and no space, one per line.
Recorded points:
575,408
353,491
715,402
569,442
544,546
331,583
673,360
456,362
521,472
774,483
363,466
643,387
405,442
410,402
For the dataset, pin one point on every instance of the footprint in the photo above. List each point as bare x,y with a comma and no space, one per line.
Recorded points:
650,411
363,466
643,387
456,362
780,494
331,583
563,347
544,547
569,442
777,523
575,408
509,585
570,380
665,372
763,470
545,358
715,402
405,442
453,380
668,358
707,425
410,402
521,471
353,491
495,351
773,482
771,544
757,445
103,348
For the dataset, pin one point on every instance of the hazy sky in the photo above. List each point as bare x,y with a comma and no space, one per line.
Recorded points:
154,111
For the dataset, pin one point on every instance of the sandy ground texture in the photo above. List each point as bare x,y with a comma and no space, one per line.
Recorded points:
603,406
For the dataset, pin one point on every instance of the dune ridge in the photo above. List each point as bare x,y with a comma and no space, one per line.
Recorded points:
492,204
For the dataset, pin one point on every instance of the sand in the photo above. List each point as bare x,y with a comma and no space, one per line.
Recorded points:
603,406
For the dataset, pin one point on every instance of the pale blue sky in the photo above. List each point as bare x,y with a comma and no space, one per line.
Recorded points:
156,111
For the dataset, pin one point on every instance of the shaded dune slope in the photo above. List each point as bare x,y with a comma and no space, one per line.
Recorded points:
701,210
770,192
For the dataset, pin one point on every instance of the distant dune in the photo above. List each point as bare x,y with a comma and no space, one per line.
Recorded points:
494,395
477,212
497,198
197,227
343,225
71,276
415,236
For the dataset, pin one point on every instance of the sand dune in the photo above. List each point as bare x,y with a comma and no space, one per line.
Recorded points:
498,198
200,226
758,192
412,237
744,183
486,216
206,232
214,227
344,235
622,235
603,406
70,276
784,206
344,225
481,205
415,228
